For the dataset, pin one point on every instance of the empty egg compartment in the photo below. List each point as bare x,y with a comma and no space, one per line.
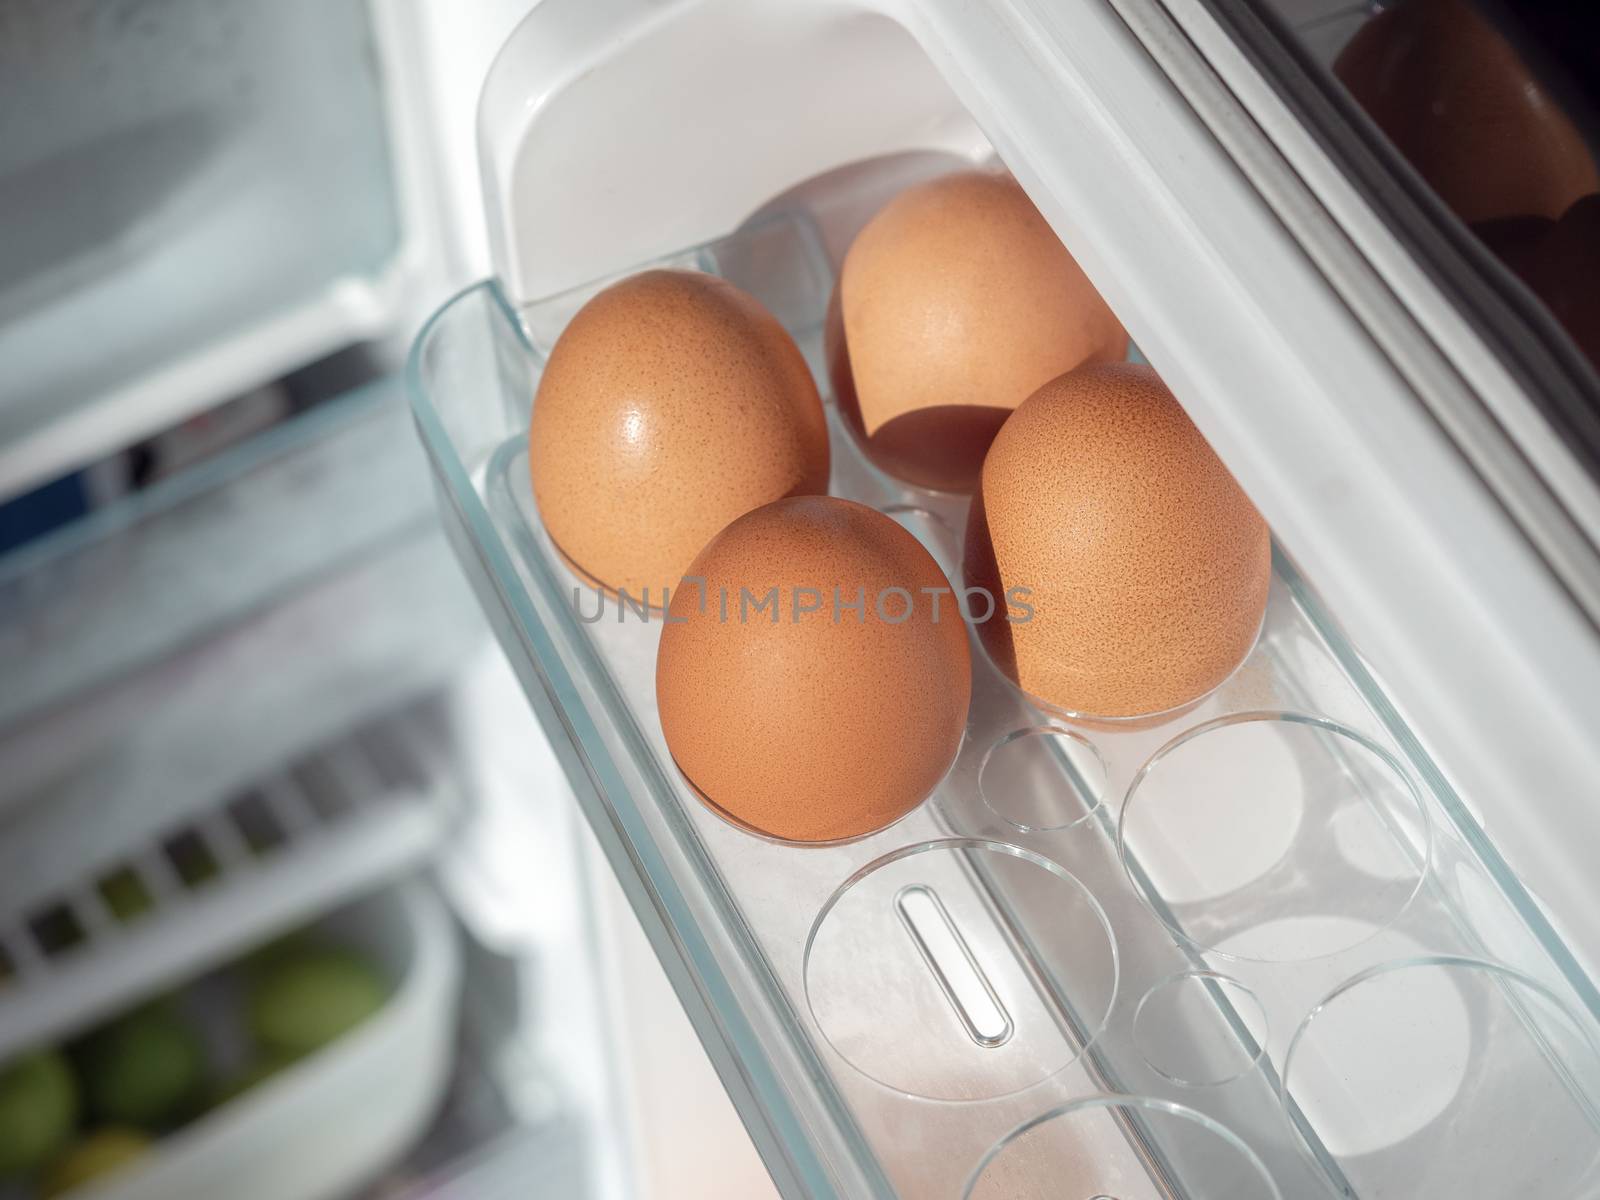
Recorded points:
1093,934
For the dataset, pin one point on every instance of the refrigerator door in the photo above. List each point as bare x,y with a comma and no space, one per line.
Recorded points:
1279,944
219,727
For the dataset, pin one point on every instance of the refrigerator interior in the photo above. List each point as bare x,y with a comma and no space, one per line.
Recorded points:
255,693
253,696
1258,948
256,697
1262,948
213,193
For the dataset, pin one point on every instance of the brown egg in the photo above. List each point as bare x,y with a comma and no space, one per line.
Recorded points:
956,302
1146,567
1456,99
812,720
672,403
1515,241
1565,274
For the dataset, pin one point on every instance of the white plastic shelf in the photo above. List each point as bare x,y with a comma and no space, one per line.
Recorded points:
331,825
169,566
204,192
184,643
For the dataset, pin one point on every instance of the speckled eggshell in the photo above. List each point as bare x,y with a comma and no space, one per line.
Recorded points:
672,403
1146,564
1459,103
813,729
954,303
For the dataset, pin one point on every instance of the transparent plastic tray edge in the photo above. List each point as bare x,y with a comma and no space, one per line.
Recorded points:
608,805
1436,785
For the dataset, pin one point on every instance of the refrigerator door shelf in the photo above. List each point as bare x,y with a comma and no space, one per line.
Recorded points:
1288,350
1151,909
1243,862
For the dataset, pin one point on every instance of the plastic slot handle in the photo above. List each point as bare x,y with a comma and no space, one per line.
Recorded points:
952,964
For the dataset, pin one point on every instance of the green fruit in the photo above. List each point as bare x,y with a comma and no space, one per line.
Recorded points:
303,1000
95,1155
142,1069
38,1108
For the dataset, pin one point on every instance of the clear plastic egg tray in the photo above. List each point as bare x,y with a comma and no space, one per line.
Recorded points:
1255,950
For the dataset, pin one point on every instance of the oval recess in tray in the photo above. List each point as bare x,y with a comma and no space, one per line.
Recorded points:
1442,1077
919,979
1086,1148
1274,837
